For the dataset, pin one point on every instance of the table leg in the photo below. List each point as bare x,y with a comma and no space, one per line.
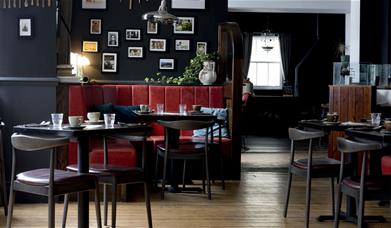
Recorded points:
83,167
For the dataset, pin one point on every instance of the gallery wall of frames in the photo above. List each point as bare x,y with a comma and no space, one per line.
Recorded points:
122,46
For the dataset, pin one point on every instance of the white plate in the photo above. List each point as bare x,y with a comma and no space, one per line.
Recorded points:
94,122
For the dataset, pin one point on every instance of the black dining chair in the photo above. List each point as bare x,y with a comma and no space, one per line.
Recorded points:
363,187
47,182
183,151
115,175
309,168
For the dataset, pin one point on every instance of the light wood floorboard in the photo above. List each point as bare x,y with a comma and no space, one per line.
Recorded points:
256,201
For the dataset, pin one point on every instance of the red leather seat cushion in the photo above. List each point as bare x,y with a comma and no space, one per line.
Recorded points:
119,154
372,183
386,165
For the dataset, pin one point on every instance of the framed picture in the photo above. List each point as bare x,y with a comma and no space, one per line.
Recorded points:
202,47
166,64
109,62
152,27
157,45
93,4
96,26
90,46
25,27
133,34
188,4
184,25
135,52
112,39
182,45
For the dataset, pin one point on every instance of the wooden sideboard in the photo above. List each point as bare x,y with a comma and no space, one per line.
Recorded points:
352,103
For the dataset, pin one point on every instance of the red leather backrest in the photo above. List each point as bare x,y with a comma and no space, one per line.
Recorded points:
83,98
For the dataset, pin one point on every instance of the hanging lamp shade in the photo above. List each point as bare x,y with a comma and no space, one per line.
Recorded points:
161,15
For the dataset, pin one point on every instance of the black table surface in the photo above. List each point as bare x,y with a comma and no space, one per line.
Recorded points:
153,116
331,126
88,130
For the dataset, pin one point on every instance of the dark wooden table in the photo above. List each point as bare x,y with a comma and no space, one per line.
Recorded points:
82,137
352,129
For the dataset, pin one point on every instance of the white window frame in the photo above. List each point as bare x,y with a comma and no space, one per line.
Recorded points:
258,87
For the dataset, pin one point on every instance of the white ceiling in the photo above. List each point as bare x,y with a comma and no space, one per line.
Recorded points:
291,6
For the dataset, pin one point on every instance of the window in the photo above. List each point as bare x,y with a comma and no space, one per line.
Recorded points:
265,70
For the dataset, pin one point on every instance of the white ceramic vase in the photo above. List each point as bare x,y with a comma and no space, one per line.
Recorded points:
207,75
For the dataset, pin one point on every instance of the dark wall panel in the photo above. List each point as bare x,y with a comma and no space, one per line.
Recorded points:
28,57
117,17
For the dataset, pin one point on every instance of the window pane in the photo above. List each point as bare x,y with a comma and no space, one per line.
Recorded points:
265,64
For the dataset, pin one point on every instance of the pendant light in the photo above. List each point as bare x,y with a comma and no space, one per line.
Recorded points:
161,15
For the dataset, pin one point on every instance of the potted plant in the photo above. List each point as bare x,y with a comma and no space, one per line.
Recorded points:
189,76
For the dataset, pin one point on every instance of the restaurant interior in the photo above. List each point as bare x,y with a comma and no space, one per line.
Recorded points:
178,113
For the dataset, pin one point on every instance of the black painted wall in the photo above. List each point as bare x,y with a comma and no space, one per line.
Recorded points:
117,17
28,57
375,32
21,61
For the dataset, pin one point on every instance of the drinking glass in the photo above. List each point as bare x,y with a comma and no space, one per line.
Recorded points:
160,108
57,119
375,119
109,119
182,109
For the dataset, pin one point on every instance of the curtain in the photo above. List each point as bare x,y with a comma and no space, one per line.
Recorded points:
285,45
64,27
247,46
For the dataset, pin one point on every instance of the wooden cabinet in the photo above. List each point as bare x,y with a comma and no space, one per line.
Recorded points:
352,103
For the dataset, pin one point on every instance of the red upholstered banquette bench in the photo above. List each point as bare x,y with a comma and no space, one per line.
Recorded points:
84,98
386,165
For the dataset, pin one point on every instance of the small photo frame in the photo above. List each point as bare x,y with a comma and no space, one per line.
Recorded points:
202,48
133,34
25,27
95,26
112,39
109,62
184,25
93,4
90,46
182,45
157,45
135,52
166,64
152,27
188,4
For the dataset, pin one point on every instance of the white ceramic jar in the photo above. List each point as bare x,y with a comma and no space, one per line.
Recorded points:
207,75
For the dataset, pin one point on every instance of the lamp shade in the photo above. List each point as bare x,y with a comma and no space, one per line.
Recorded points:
161,15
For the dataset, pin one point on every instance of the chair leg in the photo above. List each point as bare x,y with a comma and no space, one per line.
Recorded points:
288,192
65,213
3,193
97,207
148,204
114,203
222,172
203,178
156,169
308,201
184,174
208,177
105,204
332,196
164,176
51,222
11,206
338,207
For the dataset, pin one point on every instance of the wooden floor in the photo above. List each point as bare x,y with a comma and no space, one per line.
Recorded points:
256,201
